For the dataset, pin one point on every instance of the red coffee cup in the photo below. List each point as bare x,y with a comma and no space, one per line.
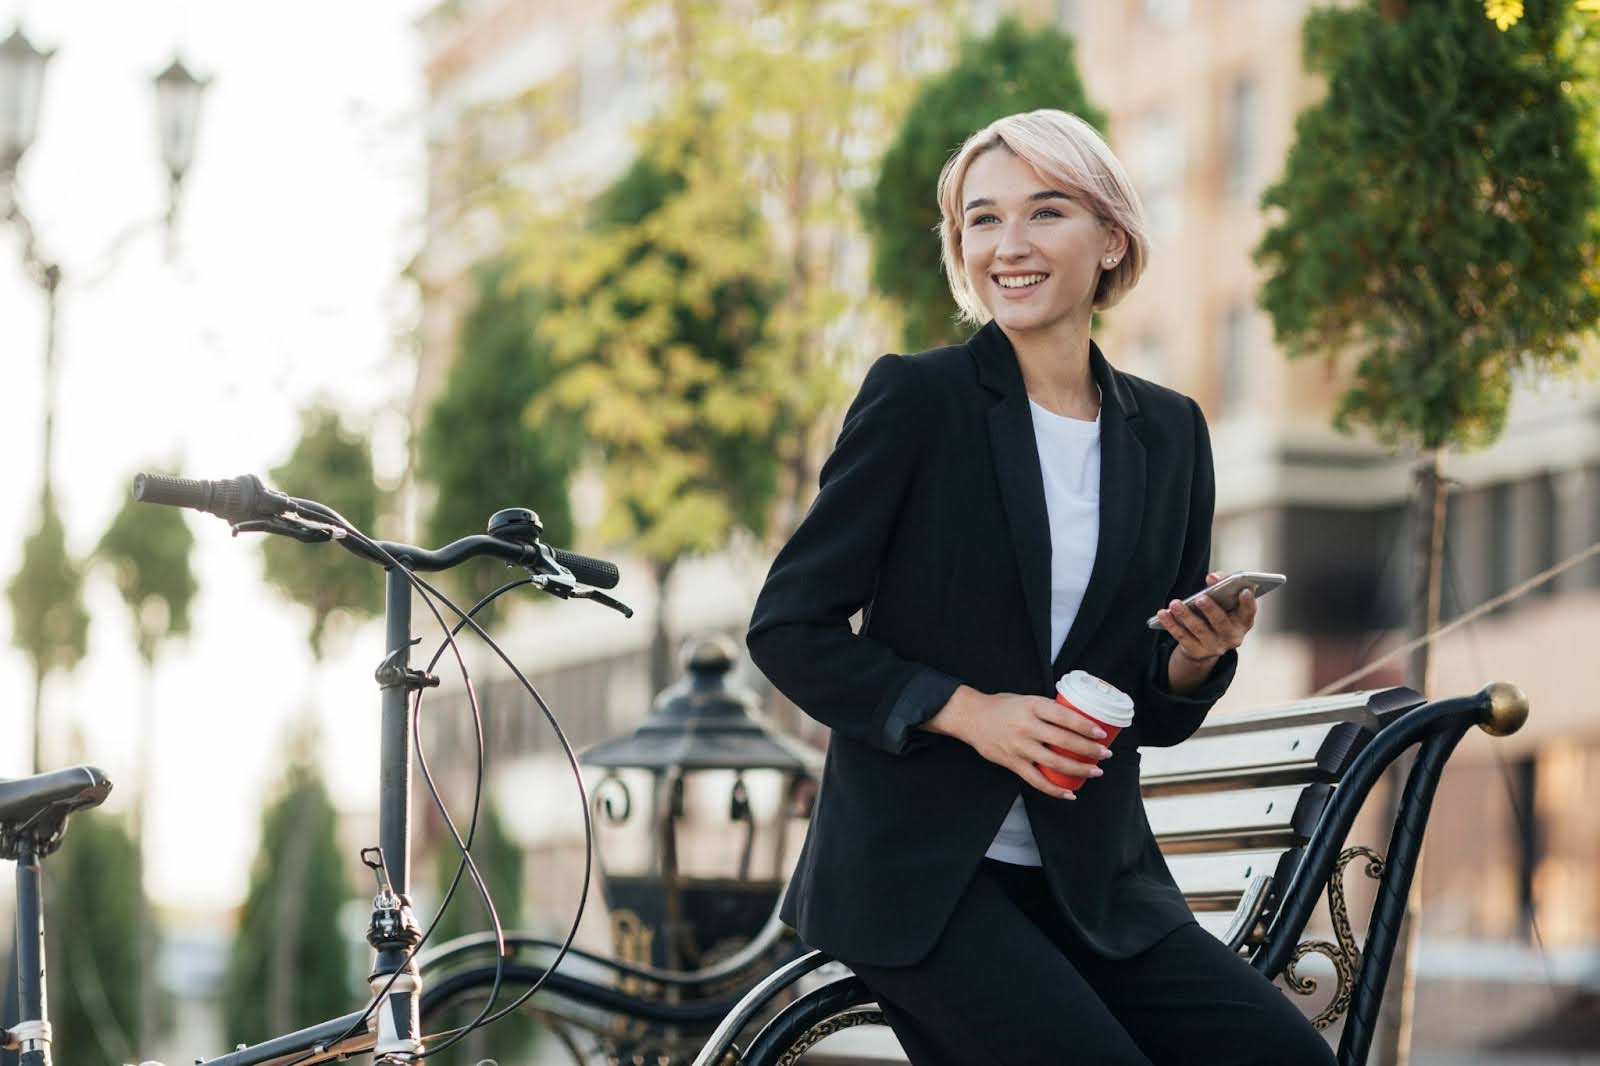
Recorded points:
1105,705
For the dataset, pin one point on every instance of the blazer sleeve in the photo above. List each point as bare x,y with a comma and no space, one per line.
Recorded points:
1166,718
800,635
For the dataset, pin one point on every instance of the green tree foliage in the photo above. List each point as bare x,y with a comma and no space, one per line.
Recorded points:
1436,220
768,113
48,620
1015,68
660,328
288,966
149,550
499,861
658,324
92,935
478,447
333,465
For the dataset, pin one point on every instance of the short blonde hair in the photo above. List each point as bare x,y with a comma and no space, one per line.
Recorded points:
1068,154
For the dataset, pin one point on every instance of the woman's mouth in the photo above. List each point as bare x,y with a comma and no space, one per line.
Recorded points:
1016,286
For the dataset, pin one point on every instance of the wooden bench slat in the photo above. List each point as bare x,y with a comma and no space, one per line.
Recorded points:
1232,821
1210,879
1262,759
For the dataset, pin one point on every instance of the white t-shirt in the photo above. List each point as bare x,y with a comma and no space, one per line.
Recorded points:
1069,459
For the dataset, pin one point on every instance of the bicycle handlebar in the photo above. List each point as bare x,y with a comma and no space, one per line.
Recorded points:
245,501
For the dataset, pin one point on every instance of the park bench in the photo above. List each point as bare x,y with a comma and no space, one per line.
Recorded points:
1252,814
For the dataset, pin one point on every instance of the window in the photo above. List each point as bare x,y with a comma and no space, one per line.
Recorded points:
1168,13
1244,124
1235,361
1157,159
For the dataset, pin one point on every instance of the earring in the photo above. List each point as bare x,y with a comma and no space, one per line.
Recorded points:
1110,262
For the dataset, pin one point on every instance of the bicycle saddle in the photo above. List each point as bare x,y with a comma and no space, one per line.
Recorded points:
38,806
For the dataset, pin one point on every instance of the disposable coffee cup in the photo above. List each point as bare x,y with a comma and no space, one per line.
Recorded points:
1103,704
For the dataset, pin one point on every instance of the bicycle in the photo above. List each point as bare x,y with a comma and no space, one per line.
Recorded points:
34,810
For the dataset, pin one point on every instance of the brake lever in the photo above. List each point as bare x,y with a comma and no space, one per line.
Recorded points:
583,592
566,586
298,528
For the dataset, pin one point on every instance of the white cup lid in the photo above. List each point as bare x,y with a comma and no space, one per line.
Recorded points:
1104,702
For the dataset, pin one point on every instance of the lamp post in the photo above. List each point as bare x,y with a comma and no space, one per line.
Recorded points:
696,811
22,70
178,93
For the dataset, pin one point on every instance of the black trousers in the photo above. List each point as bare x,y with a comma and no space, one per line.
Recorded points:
1009,984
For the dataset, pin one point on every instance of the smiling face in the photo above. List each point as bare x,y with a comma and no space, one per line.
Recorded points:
1032,253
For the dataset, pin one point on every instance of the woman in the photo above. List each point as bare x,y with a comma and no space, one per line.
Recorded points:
1002,512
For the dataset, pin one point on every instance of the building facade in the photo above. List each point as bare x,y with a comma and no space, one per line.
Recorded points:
1201,98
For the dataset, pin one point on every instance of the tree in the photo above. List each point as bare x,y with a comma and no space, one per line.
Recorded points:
661,318
333,465
94,905
149,551
288,966
1013,69
49,623
499,861
477,447
778,108
1437,238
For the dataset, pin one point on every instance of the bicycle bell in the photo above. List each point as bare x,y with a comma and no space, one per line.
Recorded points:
520,524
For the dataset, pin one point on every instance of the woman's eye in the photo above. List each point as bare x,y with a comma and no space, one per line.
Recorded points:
1047,212
981,219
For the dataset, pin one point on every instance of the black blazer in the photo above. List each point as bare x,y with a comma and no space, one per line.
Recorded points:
931,516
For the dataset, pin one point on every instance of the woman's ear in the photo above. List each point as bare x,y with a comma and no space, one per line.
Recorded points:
1116,243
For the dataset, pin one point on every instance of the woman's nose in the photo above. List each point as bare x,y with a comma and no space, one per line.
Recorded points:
1013,242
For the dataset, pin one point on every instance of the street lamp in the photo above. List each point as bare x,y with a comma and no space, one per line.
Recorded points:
178,95
21,78
696,812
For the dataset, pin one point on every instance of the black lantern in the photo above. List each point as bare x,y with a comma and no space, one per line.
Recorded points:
697,812
178,95
21,81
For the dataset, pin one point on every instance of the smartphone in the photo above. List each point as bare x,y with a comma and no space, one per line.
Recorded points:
1225,593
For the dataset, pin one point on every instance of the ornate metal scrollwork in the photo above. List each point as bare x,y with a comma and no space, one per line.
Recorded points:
1346,954
634,941
602,802
827,1027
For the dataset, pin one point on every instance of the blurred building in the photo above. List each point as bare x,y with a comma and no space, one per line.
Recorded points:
1201,97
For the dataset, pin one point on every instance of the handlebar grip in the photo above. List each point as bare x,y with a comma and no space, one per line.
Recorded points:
173,491
236,499
596,573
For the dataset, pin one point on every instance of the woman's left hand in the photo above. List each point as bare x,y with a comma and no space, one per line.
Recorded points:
1206,633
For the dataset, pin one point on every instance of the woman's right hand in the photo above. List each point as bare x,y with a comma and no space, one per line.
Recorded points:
1013,731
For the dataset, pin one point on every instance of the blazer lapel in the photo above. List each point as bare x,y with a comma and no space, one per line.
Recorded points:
1016,471
1016,466
1122,503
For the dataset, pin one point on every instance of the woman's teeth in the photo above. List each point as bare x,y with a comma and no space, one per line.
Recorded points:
1021,281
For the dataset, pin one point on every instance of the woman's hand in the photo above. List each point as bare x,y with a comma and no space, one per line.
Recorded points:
1013,731
1205,632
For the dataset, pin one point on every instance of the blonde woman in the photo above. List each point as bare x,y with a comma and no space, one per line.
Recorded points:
1002,512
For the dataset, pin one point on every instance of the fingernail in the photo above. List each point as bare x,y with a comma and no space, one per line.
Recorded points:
1105,753
1246,595
1068,795
1095,771
1098,734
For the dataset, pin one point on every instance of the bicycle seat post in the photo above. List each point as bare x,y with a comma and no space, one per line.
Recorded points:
32,1033
394,932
